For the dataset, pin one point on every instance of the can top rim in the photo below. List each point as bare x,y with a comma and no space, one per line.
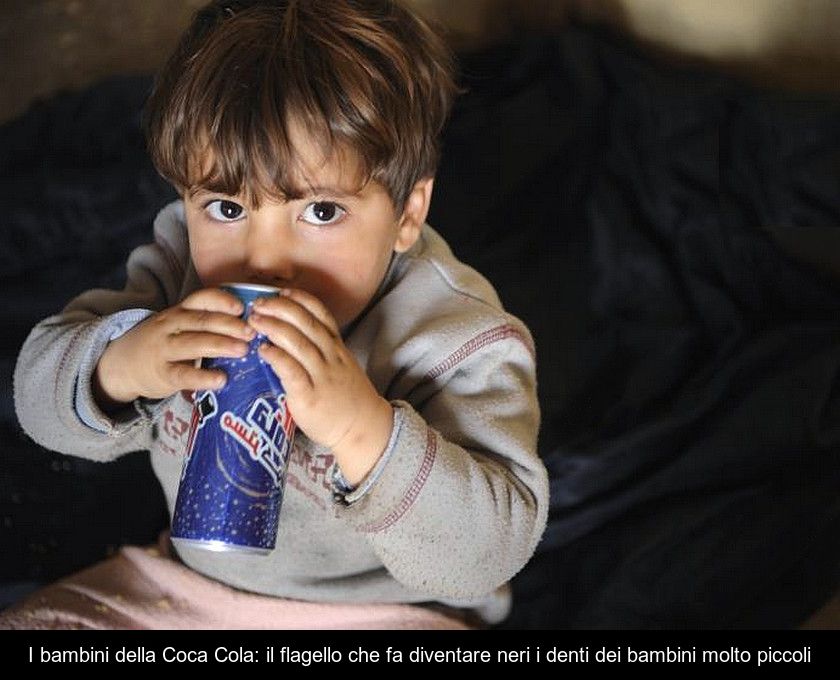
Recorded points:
256,287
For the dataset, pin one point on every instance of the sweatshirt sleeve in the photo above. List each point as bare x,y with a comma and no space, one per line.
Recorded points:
461,500
52,379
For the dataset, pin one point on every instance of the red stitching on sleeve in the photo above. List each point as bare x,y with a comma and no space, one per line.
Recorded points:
471,346
413,491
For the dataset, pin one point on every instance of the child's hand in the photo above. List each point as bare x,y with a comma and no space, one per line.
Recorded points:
157,357
328,393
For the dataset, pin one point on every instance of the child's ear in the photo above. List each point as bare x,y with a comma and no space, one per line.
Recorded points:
414,214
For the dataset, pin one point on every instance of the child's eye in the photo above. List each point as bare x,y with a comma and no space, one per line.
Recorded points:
323,213
224,211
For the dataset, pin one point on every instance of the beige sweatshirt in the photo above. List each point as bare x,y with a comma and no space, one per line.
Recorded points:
459,500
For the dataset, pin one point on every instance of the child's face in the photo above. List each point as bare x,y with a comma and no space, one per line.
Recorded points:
335,243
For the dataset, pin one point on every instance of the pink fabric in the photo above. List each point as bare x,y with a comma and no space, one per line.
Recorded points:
144,588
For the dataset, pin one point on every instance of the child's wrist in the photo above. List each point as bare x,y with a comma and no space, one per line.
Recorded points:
108,389
358,451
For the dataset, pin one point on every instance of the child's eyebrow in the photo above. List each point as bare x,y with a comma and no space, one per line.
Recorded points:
336,192
294,195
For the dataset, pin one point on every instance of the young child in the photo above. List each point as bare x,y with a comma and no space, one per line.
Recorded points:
302,136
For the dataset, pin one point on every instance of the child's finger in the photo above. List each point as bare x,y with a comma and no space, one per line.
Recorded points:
309,302
187,320
214,300
290,338
317,308
294,376
196,345
186,376
298,316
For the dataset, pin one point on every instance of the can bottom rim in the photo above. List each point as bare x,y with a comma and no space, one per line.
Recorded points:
219,546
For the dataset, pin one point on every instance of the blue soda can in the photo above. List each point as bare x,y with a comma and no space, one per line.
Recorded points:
240,438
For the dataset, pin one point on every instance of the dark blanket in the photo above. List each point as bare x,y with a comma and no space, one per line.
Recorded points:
656,228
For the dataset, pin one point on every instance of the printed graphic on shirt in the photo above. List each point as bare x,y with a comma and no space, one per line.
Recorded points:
313,474
314,466
175,431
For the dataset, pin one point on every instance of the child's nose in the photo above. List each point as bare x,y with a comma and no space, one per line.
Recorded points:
271,259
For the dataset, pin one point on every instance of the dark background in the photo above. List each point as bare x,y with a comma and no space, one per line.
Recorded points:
667,228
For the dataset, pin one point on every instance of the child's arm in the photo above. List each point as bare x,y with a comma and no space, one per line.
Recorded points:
81,368
86,379
462,501
53,387
157,358
328,393
460,497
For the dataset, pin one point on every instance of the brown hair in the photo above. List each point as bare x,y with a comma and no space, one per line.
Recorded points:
363,75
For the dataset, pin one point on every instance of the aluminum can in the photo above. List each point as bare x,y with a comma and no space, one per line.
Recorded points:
234,474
